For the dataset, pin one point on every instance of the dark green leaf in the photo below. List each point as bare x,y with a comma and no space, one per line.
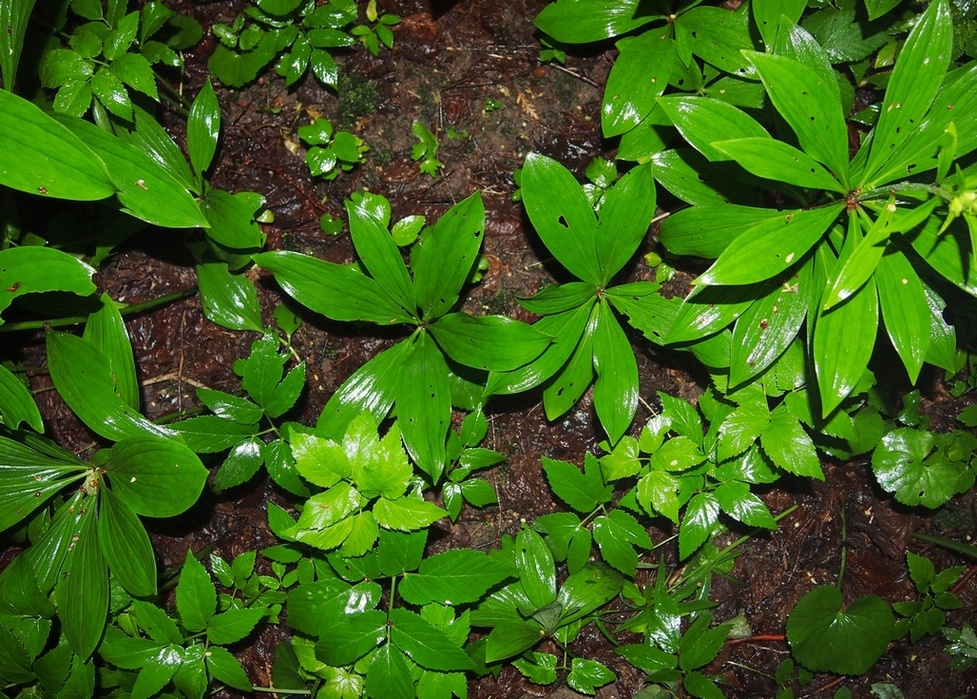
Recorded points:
126,546
196,597
542,669
155,477
234,624
536,569
29,479
370,389
208,434
227,669
241,464
616,387
425,644
16,402
160,626
83,596
586,591
789,446
905,310
639,74
615,534
490,343
106,331
779,161
203,129
583,491
424,404
700,521
346,643
576,375
703,121
400,552
156,673
229,299
737,501
824,637
231,219
237,69
909,463
135,71
191,677
559,298
512,638
380,255
767,13
458,576
13,15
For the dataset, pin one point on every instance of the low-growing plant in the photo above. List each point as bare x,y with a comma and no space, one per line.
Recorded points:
330,152
926,615
425,151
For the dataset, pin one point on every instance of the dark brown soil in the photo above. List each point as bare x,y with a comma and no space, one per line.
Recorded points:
449,60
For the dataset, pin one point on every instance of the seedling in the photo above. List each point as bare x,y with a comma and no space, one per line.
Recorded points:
330,152
425,151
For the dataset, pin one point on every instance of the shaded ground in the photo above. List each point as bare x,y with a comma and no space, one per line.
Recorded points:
447,63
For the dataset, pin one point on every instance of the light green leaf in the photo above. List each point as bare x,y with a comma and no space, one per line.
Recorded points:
767,13
616,387
84,379
83,595
380,255
203,129
698,524
541,670
231,219
121,37
155,477
582,491
145,189
703,121
388,675
425,644
587,675
825,637
227,669
153,140
320,461
241,464
640,73
106,331
424,404
914,83
326,509
811,105
445,254
769,248
362,535
125,546
779,161
406,513
400,552
455,577
196,597
717,36
230,300
562,216
490,343
111,93
14,15
740,429
905,310
658,494
234,624
789,446
16,402
336,291
583,21
40,156
737,501
587,590
33,269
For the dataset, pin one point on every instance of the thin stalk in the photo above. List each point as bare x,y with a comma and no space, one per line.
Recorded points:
844,549
950,544
78,320
278,690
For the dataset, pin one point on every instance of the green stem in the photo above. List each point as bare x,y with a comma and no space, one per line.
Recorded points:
78,320
844,549
950,544
278,690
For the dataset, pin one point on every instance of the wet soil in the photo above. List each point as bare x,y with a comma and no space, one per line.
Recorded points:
469,72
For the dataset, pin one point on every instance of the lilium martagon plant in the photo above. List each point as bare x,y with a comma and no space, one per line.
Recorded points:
864,236
420,375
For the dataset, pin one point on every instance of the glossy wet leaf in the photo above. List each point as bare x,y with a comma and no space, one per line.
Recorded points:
227,669
370,389
83,596
425,644
703,121
905,310
587,675
35,269
17,405
380,255
789,446
346,643
230,300
640,73
825,636
698,523
779,161
583,21
196,597
490,343
41,156
512,638
457,576
406,513
536,569
917,466
106,330
576,375
231,218
616,534
616,387
125,546
389,674
581,490
155,477
424,404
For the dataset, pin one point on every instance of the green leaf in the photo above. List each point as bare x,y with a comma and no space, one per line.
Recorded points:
145,189
191,677
779,161
717,36
852,325
380,255
16,402
315,606
557,298
237,69
135,71
542,669
73,98
121,37
918,469
455,577
370,389
562,216
230,300
240,466
700,521
14,15
615,533
336,291
445,254
346,643
616,387
389,675
576,375
227,669
703,121
160,626
234,624
33,269
905,310
231,219
582,491
810,103
914,83
583,21
490,343
156,673
196,597
155,477
767,13
40,156
587,675
424,404
658,494
406,513
83,596
425,644
698,685
209,434
111,93
512,638
106,331
586,591
125,546
203,129
62,66
769,248
825,637
536,569
153,140
789,446
84,379
399,552
640,73
737,501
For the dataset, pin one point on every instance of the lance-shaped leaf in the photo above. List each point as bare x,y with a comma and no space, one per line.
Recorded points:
31,269
336,291
703,121
640,73
14,16
625,215
706,231
125,545
811,105
28,479
490,343
83,596
708,309
583,21
16,402
905,310
203,129
562,216
230,300
536,569
424,404
84,379
380,255
41,156
576,375
915,80
445,254
370,389
776,160
767,14
616,387
767,249
106,330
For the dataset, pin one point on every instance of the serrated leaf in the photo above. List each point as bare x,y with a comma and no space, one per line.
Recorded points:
455,577
658,494
698,523
615,534
536,569
740,429
315,606
825,637
587,675
406,513
135,71
425,644
909,463
789,446
541,670
157,624
155,477
234,624
227,669
581,490
346,643
389,674
737,501
111,93
196,597
125,546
